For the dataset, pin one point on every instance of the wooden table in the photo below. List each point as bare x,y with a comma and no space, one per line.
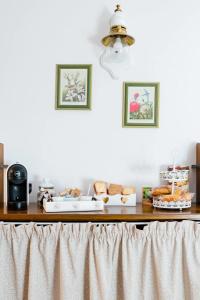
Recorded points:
110,214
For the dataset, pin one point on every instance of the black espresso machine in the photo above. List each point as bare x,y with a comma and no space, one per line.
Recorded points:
18,188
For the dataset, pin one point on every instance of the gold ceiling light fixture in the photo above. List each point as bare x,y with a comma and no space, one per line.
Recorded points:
117,44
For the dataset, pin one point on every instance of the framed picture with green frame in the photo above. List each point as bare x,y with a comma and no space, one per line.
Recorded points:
73,86
141,104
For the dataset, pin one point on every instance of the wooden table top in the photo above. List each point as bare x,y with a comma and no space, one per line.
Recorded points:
140,213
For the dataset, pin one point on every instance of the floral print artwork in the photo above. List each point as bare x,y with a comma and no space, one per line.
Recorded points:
74,89
73,86
141,105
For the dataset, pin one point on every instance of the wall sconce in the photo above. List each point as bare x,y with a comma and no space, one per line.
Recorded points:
116,54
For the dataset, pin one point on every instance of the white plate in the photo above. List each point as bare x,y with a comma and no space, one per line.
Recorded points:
178,175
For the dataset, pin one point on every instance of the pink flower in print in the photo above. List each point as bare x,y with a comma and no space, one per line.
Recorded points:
136,95
134,106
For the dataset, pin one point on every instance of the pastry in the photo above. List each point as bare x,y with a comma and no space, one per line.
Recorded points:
71,192
169,198
178,195
163,190
75,192
183,196
65,192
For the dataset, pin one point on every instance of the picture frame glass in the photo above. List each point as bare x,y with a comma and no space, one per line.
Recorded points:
73,89
73,85
141,105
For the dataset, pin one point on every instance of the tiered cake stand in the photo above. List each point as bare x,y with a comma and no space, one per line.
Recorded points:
172,177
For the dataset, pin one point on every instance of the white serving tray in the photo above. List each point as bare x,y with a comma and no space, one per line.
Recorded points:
75,205
113,200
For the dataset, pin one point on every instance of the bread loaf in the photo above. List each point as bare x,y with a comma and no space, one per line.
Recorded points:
128,190
100,187
115,189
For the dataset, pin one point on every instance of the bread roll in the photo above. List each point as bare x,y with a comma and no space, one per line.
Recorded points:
75,192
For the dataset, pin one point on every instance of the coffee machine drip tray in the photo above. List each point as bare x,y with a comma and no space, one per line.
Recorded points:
21,205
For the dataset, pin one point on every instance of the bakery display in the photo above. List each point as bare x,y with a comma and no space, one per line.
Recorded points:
114,194
174,195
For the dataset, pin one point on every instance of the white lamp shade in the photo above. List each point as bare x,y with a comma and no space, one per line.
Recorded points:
116,62
117,19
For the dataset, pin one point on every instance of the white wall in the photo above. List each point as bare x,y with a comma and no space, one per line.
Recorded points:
74,147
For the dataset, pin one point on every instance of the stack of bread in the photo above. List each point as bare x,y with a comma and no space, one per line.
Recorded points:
101,187
115,194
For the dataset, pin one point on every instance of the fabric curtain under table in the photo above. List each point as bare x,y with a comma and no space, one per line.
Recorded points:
100,262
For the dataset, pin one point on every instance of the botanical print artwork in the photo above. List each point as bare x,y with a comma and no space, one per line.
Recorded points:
73,87
141,105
